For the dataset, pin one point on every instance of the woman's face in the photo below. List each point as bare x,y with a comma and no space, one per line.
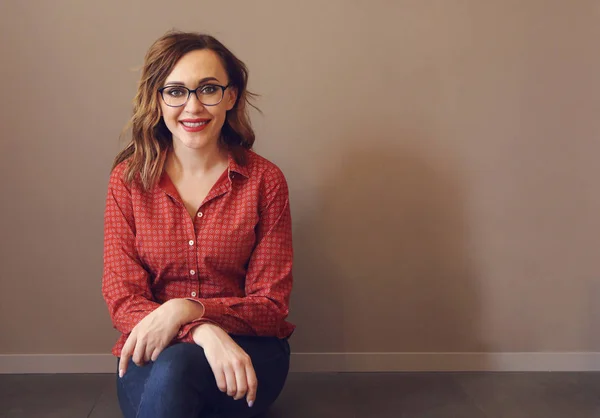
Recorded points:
194,124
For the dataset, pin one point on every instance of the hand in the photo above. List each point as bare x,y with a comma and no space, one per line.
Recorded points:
230,364
153,333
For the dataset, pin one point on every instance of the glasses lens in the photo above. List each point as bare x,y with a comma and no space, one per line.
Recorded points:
175,96
210,95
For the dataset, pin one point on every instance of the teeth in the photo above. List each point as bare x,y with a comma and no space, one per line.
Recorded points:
194,124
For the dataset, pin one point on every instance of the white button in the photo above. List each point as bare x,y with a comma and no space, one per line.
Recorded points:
193,294
191,242
192,272
200,214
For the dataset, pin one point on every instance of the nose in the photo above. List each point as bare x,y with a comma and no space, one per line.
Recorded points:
193,104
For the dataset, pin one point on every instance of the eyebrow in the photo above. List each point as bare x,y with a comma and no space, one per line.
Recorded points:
179,83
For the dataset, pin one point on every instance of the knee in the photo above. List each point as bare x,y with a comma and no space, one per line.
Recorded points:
179,364
177,383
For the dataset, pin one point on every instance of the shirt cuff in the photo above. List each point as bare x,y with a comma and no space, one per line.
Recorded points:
211,310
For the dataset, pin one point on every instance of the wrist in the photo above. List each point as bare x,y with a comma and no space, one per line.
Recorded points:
202,333
184,311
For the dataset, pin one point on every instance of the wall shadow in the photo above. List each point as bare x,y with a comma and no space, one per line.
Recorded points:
384,262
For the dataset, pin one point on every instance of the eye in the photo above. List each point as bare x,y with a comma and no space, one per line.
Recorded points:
175,92
209,89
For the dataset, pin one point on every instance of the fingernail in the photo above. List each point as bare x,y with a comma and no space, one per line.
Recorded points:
120,373
250,403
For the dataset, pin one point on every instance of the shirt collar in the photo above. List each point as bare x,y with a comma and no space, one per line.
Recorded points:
167,185
236,168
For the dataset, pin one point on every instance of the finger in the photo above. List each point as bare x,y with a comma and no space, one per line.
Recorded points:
240,379
148,351
139,352
155,354
252,384
230,379
124,361
220,378
126,353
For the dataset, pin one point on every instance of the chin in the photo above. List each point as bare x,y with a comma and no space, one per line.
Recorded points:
196,142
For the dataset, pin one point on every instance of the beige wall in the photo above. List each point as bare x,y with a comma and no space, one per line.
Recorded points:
441,156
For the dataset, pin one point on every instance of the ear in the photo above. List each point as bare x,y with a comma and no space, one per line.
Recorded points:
231,97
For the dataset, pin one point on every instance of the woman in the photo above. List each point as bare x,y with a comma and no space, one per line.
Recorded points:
197,243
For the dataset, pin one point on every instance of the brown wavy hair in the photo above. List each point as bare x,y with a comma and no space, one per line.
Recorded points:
150,137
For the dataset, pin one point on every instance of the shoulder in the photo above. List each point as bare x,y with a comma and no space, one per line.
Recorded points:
263,170
117,174
117,179
119,170
267,179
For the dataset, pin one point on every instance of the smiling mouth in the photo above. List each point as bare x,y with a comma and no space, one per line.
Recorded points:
194,124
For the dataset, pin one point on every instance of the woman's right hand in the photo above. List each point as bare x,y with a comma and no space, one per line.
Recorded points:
230,364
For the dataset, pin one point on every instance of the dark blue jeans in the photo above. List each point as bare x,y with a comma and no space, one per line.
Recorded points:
181,384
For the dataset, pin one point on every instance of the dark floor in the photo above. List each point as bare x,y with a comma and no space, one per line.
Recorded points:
346,395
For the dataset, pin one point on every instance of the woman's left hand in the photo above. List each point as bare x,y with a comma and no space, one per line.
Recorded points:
153,333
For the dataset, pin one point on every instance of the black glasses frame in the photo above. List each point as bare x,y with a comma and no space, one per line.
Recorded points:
195,91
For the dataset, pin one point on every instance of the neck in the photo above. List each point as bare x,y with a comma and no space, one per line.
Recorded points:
196,162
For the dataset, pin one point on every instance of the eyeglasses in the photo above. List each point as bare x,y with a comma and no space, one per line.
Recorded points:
207,94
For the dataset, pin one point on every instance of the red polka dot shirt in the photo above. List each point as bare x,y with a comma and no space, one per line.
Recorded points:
234,256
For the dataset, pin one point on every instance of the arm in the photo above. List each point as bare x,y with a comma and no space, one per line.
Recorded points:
125,283
269,275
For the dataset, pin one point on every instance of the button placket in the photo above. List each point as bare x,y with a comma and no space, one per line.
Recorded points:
193,273
192,259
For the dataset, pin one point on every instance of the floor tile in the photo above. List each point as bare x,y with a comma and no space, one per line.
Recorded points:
314,395
107,405
531,395
414,395
347,395
49,396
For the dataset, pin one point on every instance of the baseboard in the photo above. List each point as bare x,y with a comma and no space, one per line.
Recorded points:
57,363
446,362
338,362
